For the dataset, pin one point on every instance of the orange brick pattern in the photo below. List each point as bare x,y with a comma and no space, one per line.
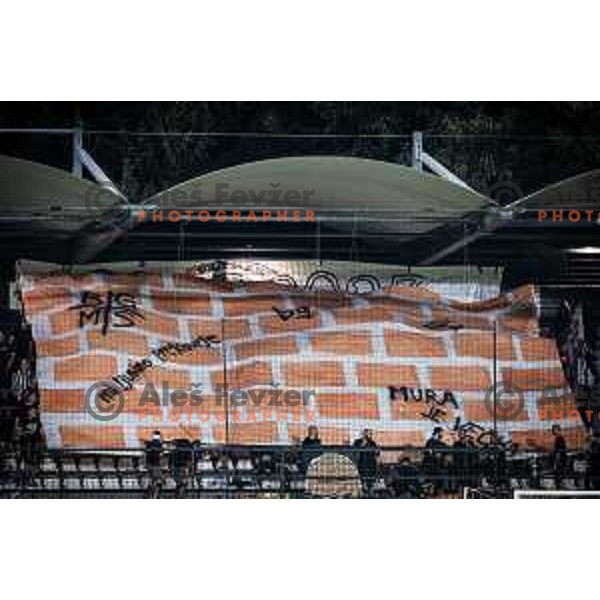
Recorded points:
348,350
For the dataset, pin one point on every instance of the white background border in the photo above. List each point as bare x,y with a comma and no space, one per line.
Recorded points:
131,50
312,549
315,49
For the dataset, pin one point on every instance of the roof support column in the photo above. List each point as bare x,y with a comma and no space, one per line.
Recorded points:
77,167
417,150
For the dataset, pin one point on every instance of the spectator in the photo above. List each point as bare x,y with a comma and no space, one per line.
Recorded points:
435,440
311,447
28,448
20,430
405,480
366,460
464,465
182,462
312,439
154,451
434,461
559,456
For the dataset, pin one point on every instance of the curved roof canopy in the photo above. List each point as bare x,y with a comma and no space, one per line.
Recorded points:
580,192
45,198
49,213
364,209
365,194
527,227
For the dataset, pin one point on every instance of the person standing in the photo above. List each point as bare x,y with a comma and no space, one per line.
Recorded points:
311,447
182,462
366,460
434,462
463,464
559,456
154,452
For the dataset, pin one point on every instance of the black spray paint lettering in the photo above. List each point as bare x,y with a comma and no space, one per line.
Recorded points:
302,312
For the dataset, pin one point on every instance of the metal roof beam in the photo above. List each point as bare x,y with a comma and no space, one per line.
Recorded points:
421,158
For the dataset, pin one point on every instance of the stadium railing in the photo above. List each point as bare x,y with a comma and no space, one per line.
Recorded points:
284,471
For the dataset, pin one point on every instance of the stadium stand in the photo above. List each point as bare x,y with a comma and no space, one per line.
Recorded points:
243,471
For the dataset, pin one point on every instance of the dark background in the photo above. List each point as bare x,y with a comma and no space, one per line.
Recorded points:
146,147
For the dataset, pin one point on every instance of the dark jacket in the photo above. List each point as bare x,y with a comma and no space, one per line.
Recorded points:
366,457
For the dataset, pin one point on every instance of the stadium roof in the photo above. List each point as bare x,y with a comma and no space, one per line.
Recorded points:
45,198
580,192
365,210
49,212
334,187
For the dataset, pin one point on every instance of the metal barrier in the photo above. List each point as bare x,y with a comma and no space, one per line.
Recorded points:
287,472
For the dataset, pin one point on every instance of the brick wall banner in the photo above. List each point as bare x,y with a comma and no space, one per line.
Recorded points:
123,352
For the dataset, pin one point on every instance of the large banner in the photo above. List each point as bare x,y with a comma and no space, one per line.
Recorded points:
120,354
